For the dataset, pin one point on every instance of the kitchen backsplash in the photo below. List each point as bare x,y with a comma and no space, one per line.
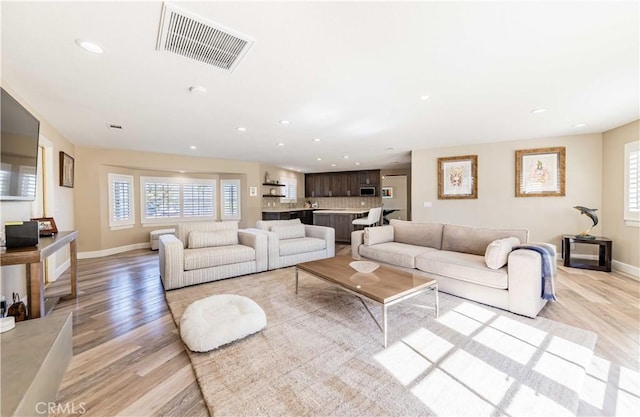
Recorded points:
324,202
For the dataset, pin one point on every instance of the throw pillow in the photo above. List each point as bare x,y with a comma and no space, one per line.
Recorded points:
498,251
288,231
380,234
199,239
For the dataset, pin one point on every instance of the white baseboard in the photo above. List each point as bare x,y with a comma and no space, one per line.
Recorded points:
113,251
630,270
61,269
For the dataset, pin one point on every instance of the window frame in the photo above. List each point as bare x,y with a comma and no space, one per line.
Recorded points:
181,182
631,218
286,190
131,221
238,184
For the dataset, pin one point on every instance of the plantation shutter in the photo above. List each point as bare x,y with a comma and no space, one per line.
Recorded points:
290,190
121,211
230,190
632,184
197,200
162,200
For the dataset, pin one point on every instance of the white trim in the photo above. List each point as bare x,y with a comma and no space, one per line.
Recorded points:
61,269
113,251
632,223
632,271
131,220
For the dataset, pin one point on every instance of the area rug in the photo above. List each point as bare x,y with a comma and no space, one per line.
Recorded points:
321,354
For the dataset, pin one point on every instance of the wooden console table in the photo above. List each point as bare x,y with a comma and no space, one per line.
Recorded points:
33,257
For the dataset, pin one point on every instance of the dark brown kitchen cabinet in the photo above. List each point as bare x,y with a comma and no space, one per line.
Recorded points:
305,216
341,222
340,184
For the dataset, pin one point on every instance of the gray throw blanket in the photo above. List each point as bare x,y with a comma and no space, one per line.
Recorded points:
548,276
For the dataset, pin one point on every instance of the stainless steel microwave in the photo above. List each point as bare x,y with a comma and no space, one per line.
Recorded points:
368,191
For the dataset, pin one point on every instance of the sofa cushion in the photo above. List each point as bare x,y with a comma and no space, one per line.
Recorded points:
498,251
198,239
267,224
184,229
394,253
375,235
475,240
420,234
462,266
301,245
217,256
288,231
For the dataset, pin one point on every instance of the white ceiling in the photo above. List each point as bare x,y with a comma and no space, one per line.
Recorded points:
348,73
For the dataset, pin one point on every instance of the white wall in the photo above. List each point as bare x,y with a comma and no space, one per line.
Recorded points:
547,218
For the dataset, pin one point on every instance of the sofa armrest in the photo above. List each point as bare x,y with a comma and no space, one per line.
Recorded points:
171,254
525,280
257,239
357,239
328,234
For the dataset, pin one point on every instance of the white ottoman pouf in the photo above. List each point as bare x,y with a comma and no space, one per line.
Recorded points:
220,319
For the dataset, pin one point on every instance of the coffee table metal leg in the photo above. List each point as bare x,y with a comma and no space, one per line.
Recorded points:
384,323
296,280
437,303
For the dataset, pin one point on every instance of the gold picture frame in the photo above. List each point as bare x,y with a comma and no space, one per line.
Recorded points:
67,166
540,172
458,177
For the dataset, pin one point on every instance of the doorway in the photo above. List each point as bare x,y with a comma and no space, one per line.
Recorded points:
395,198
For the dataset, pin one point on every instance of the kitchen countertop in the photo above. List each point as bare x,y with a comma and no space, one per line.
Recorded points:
285,210
341,211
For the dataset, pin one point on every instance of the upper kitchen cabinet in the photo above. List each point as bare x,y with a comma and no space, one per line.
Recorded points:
340,184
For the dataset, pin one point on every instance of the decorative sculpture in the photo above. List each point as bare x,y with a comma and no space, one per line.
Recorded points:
590,213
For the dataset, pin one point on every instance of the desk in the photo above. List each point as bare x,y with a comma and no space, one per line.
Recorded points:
604,253
33,257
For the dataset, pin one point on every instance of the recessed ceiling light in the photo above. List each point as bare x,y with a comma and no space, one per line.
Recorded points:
318,159
242,129
284,122
280,144
540,110
89,46
193,147
198,89
580,125
389,148
345,157
395,163
357,163
182,172
316,140
424,98
333,165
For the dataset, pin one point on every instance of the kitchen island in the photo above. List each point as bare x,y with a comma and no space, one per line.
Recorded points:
304,214
340,219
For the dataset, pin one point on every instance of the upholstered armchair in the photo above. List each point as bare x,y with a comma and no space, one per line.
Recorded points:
208,251
290,242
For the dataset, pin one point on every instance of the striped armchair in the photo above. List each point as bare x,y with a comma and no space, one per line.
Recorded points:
291,242
208,251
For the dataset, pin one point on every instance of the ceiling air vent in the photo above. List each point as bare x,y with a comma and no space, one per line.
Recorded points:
194,37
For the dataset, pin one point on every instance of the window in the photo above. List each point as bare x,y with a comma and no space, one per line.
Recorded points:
230,197
121,210
167,200
631,184
290,190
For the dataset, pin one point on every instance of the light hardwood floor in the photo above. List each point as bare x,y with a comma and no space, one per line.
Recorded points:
129,359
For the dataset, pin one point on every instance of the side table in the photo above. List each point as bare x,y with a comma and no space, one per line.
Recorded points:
604,253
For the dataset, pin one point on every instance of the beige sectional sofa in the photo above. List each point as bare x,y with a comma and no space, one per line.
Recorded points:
291,242
474,263
208,251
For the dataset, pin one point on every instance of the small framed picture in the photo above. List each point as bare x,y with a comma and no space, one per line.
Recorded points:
458,177
46,226
66,170
387,192
540,172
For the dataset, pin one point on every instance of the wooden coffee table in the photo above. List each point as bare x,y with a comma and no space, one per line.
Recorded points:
385,286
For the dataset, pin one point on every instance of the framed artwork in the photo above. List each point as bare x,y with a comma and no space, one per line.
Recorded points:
540,172
458,177
46,226
66,170
387,192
